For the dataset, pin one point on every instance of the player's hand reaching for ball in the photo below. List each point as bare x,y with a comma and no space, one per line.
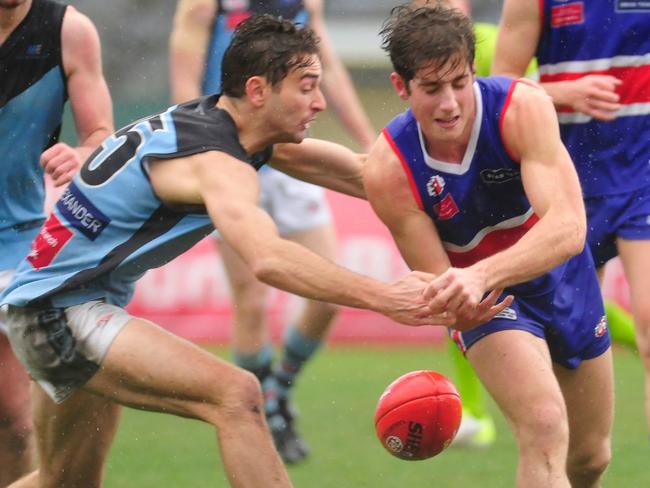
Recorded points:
61,162
405,303
460,294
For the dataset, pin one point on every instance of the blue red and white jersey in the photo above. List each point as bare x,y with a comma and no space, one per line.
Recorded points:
32,96
229,14
479,205
109,227
609,37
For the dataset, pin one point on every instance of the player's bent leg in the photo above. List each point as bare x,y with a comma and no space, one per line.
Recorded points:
635,257
150,368
516,369
589,395
16,449
73,439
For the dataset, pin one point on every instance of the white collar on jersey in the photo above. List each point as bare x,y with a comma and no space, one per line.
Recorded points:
455,168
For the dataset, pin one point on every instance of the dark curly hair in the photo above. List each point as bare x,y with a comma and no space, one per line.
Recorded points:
415,37
268,46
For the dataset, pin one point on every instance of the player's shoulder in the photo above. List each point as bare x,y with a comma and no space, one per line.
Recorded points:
78,33
528,94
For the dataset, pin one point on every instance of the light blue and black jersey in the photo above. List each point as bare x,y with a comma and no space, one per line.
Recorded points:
229,15
109,227
32,95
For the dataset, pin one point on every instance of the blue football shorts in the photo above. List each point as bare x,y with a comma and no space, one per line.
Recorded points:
624,215
569,316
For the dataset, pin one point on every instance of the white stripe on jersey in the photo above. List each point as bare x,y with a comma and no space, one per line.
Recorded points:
625,111
506,224
601,64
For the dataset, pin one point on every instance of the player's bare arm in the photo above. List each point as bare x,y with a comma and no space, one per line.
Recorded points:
389,193
188,47
229,189
89,97
323,163
336,84
519,32
532,135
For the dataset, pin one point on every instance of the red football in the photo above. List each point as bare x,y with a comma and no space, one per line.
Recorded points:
418,415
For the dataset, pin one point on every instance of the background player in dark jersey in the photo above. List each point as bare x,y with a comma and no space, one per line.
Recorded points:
148,193
598,80
48,53
475,185
202,30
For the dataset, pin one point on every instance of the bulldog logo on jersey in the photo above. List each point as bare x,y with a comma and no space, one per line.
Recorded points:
435,185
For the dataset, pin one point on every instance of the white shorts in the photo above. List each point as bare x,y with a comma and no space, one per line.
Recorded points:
294,205
63,348
5,278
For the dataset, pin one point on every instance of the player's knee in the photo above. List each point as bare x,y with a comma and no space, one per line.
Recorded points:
544,426
324,309
587,465
242,401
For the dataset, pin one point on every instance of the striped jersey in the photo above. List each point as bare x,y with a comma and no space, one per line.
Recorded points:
602,37
32,95
109,227
479,205
229,14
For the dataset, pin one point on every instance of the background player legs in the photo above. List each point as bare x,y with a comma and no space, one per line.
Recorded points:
589,395
73,440
251,343
16,455
516,369
635,256
477,427
619,322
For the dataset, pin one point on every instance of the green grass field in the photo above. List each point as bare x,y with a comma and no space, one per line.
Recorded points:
337,395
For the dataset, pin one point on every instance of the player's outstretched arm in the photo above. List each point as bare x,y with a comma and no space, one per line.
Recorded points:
89,97
323,163
231,195
188,47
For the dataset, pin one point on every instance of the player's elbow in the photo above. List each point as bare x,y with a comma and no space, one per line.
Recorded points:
267,268
574,236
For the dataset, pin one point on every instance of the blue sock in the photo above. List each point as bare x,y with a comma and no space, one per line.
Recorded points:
259,363
298,349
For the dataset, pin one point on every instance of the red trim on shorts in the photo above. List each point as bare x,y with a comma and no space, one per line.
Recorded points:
405,166
458,339
540,4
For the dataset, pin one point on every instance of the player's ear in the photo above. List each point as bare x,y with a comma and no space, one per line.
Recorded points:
400,86
256,90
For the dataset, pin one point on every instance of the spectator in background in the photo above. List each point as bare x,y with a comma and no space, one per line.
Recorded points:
50,52
477,188
201,33
594,61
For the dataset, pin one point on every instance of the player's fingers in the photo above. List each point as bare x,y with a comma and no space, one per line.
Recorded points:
436,286
49,154
499,307
600,115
